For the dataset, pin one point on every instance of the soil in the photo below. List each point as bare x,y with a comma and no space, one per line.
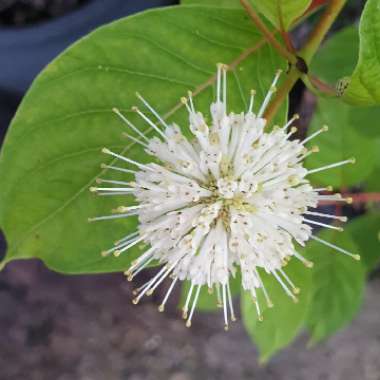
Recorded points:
87,329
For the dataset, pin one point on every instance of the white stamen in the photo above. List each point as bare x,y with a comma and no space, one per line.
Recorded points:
333,246
150,122
151,109
322,224
350,161
134,128
188,322
268,97
130,161
325,128
338,217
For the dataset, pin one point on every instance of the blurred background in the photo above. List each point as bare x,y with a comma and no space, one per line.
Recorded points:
85,327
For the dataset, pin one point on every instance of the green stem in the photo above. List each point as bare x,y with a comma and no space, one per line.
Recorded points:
307,52
317,35
267,33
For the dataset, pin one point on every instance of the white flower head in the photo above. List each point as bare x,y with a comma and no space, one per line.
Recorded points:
235,197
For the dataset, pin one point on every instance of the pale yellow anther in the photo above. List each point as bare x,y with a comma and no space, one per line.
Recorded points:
315,149
357,257
325,128
349,200
93,189
135,301
106,151
296,290
188,323
161,308
117,253
183,100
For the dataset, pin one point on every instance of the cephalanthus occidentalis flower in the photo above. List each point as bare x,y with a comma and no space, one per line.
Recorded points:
235,197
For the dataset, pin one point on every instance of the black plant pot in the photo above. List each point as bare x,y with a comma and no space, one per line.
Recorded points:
24,51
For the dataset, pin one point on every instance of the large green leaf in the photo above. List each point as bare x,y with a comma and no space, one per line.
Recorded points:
341,142
353,131
282,323
365,232
337,58
282,13
52,151
337,285
363,87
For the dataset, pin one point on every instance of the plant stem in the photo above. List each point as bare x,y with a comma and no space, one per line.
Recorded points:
267,33
316,37
325,88
307,52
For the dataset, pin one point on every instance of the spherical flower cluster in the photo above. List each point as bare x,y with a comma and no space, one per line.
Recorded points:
235,197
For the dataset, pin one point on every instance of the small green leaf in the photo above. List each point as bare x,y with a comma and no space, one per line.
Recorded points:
207,301
341,142
364,84
365,232
282,13
337,285
282,323
52,153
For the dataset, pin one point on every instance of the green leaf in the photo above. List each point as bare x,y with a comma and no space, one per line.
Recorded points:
364,85
51,155
365,232
282,323
337,285
337,56
341,142
282,13
207,301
